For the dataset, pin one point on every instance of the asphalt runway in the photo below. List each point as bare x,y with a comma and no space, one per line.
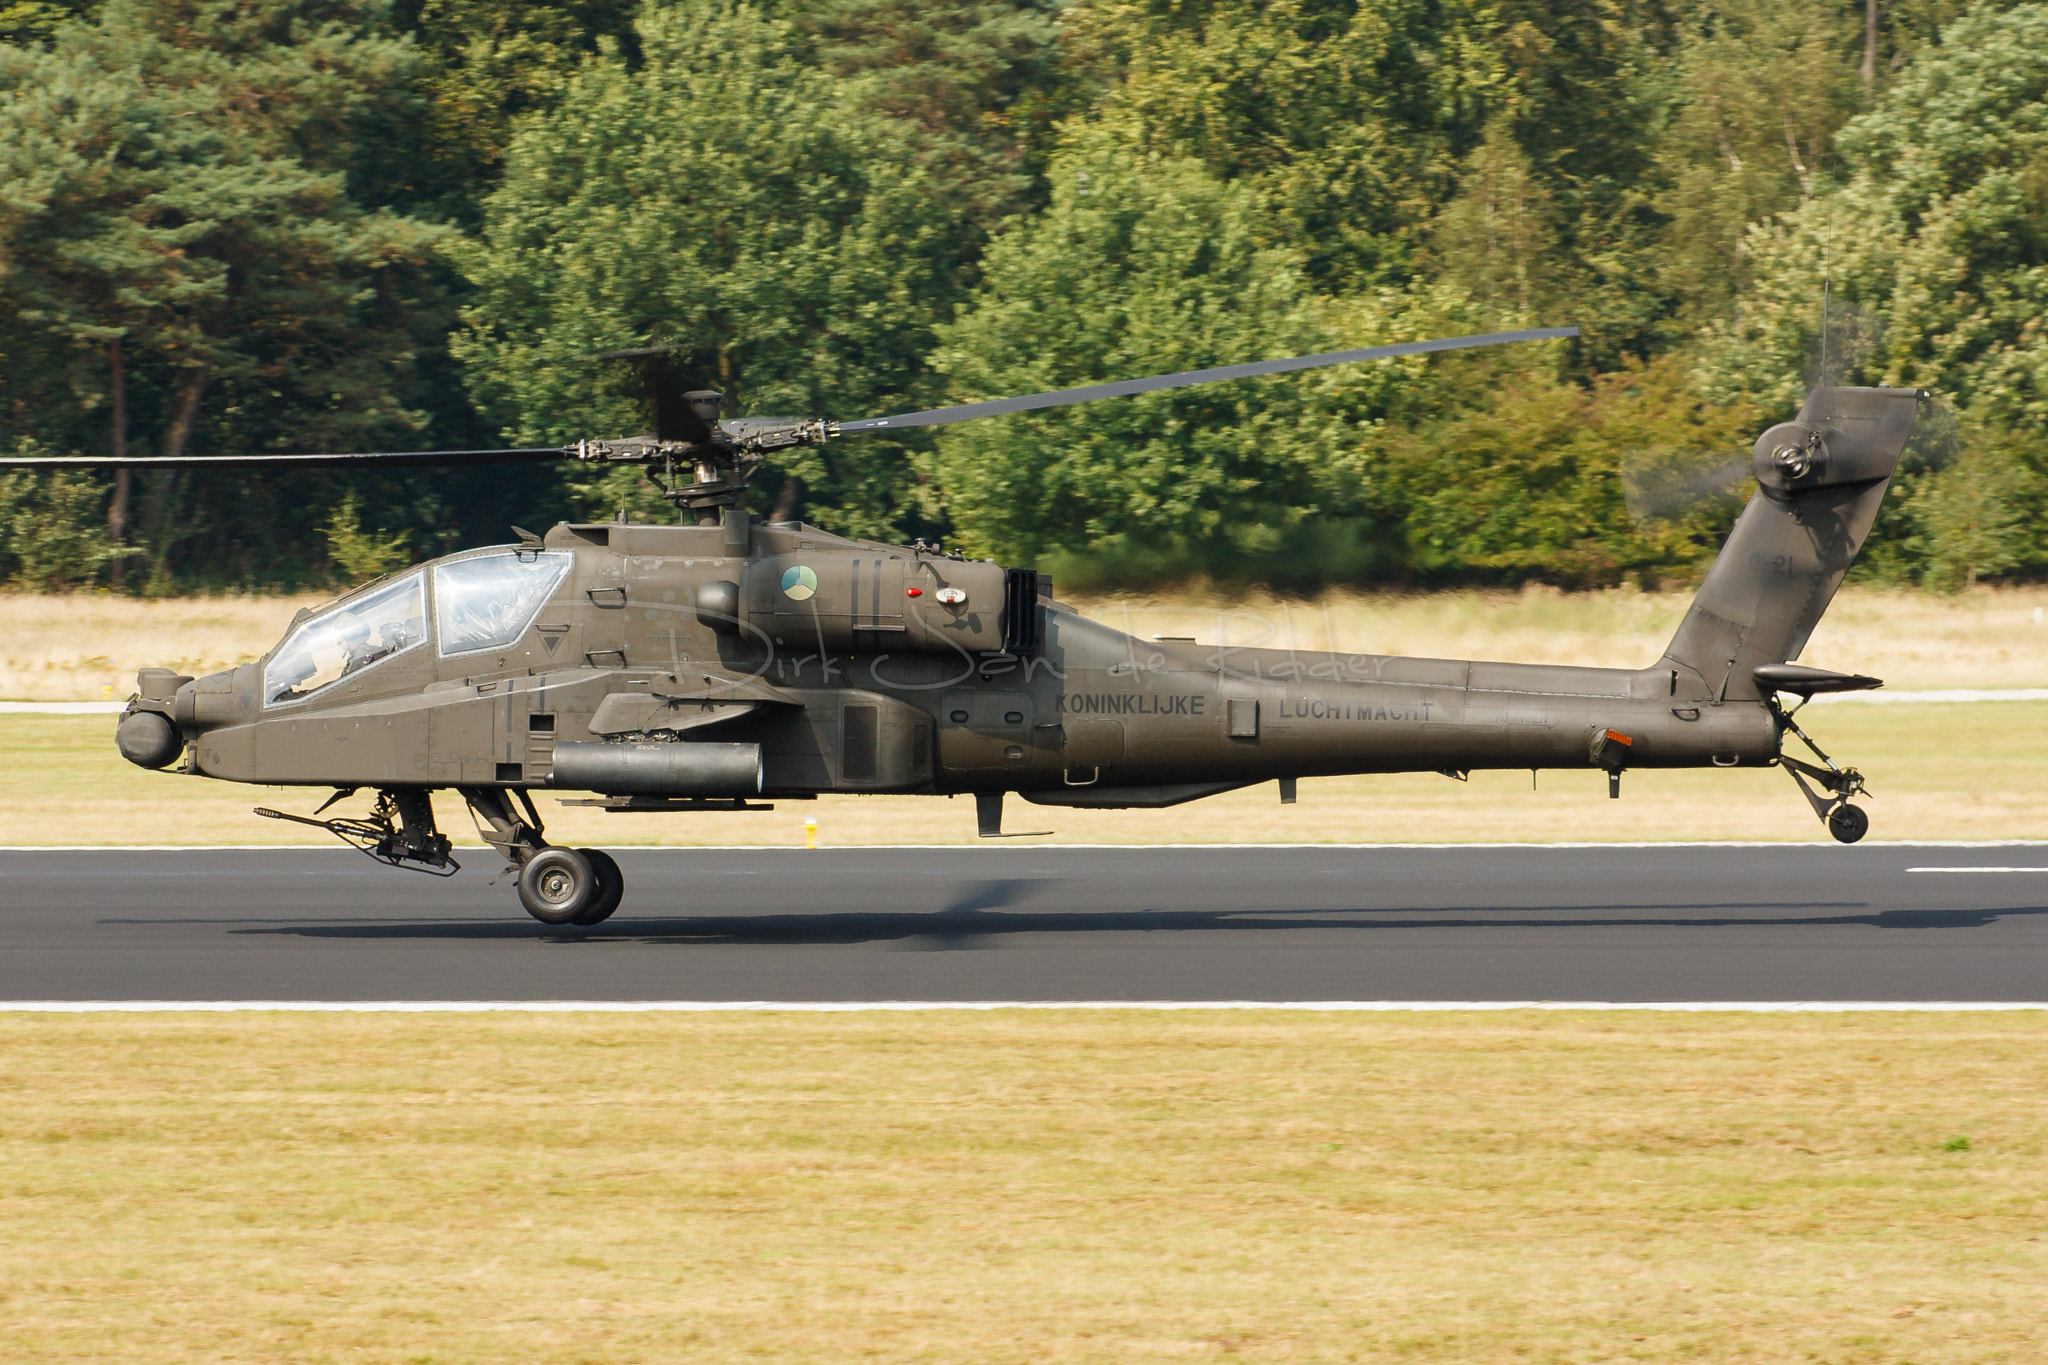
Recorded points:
1666,923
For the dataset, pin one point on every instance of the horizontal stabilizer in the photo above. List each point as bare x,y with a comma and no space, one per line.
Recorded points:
1802,681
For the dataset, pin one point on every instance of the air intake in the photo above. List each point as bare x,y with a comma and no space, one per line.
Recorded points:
1021,612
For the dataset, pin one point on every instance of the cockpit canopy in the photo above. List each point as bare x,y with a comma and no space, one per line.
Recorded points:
346,639
483,602
489,601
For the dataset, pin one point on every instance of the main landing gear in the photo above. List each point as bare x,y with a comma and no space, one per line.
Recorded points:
579,886
1845,822
570,885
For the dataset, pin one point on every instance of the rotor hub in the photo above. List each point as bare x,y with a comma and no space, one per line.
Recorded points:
1788,456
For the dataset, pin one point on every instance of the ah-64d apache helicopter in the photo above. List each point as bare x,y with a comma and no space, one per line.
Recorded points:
712,664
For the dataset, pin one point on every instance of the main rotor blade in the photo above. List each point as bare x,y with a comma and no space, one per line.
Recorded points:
662,389
638,352
744,427
387,459
1088,393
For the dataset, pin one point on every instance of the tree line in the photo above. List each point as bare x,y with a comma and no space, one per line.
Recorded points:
236,226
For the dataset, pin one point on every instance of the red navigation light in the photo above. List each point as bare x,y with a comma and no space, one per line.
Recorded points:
913,592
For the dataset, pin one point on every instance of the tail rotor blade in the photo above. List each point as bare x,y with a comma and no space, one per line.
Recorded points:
1123,388
1654,491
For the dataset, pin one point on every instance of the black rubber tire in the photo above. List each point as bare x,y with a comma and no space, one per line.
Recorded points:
1848,823
556,884
611,886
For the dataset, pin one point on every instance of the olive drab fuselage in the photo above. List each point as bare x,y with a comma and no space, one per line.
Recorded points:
865,678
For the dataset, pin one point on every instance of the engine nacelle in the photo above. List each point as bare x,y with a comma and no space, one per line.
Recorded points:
882,603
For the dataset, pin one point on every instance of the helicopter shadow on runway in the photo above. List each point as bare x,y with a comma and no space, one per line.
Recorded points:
986,914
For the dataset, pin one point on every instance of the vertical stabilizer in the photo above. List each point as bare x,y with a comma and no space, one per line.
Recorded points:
1820,478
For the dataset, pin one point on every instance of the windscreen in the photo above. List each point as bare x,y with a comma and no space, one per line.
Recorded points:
350,637
488,602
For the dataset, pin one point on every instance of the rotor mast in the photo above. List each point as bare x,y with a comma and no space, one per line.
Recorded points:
703,477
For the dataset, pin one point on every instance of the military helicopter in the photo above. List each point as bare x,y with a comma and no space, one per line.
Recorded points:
726,662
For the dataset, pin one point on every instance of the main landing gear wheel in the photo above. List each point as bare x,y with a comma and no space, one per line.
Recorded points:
1848,823
611,885
557,884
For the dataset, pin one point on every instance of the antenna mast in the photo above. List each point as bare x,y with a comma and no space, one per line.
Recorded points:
1827,281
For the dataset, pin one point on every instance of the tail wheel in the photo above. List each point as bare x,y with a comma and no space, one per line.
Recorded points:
1848,823
611,885
556,884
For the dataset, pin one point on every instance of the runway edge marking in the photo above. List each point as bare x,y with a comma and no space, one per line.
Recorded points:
917,1006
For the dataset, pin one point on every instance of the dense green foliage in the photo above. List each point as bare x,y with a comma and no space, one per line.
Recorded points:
730,199
1142,265
1938,245
310,224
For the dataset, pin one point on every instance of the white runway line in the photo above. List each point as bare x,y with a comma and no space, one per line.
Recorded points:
1977,869
920,1006
62,708
1941,696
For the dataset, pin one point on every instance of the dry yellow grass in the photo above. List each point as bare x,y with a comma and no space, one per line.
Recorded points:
1939,772
1023,1187
83,647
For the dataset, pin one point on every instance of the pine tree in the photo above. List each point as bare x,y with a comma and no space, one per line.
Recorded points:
178,237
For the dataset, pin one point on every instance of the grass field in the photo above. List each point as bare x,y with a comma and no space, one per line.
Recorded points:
1023,1187
1938,771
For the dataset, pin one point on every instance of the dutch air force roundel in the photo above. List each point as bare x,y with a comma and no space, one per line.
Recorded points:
799,583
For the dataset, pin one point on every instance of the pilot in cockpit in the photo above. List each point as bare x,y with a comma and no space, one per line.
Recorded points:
356,648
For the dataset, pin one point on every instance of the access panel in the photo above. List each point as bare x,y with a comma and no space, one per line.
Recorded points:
979,731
